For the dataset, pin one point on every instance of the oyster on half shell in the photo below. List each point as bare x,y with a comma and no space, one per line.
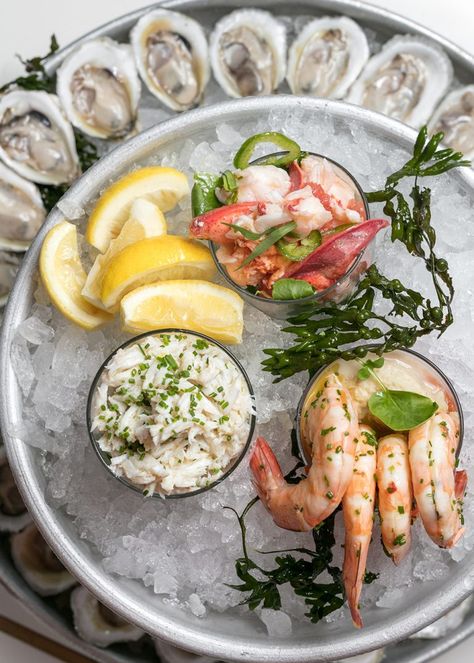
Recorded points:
248,53
37,563
99,88
455,118
98,625
326,57
405,80
9,265
21,211
172,57
36,139
13,513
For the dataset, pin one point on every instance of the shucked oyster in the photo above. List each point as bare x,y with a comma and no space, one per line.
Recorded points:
99,88
326,57
172,57
169,654
455,118
405,80
9,264
21,211
98,625
37,563
13,513
36,140
248,53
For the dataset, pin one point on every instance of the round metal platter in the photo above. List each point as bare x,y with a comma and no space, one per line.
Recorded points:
382,25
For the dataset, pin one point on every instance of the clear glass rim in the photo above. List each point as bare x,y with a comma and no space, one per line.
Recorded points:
321,294
102,454
431,364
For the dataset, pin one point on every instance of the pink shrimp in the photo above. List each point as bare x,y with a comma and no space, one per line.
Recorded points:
438,489
358,507
332,430
395,495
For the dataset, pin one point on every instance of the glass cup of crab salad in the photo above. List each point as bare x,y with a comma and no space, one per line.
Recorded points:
397,371
332,246
171,413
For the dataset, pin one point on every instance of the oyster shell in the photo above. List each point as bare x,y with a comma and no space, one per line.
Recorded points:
97,624
36,139
169,654
405,80
248,53
455,118
37,563
9,265
21,211
172,57
326,57
99,88
13,513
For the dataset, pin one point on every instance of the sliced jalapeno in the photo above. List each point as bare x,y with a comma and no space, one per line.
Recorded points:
297,251
244,154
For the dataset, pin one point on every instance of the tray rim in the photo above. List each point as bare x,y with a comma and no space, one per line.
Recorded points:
162,625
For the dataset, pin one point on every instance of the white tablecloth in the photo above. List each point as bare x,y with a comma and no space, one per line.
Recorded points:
25,27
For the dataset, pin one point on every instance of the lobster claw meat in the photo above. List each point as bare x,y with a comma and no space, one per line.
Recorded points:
332,259
213,225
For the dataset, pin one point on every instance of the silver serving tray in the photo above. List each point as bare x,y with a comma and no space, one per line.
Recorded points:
384,24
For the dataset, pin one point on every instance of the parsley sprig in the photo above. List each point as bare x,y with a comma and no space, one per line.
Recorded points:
353,329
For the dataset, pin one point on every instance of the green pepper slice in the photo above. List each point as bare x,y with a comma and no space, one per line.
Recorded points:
297,251
244,153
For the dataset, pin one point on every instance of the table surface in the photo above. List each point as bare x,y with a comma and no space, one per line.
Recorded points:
27,32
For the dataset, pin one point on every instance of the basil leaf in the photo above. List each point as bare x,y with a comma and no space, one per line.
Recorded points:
272,238
291,289
203,194
401,410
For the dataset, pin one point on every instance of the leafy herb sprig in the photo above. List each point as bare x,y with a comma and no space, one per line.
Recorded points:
38,79
262,586
352,329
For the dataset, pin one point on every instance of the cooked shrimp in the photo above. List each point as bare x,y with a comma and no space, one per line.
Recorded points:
358,507
394,495
332,431
432,459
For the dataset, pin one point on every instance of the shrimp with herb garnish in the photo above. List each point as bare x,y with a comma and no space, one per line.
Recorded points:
395,495
332,431
438,489
358,509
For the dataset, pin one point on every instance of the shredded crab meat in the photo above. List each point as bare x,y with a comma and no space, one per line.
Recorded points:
172,412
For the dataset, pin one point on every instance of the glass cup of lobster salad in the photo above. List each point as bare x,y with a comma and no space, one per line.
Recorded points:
290,229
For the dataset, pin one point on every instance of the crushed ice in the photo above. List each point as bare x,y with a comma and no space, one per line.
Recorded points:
55,363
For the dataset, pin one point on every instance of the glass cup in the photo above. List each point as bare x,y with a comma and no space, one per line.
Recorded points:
104,457
337,292
418,361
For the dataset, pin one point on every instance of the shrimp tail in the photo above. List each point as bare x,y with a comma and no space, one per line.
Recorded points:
355,558
272,488
267,474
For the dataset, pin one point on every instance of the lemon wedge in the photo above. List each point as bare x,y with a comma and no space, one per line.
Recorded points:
64,277
154,259
145,220
162,186
199,306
